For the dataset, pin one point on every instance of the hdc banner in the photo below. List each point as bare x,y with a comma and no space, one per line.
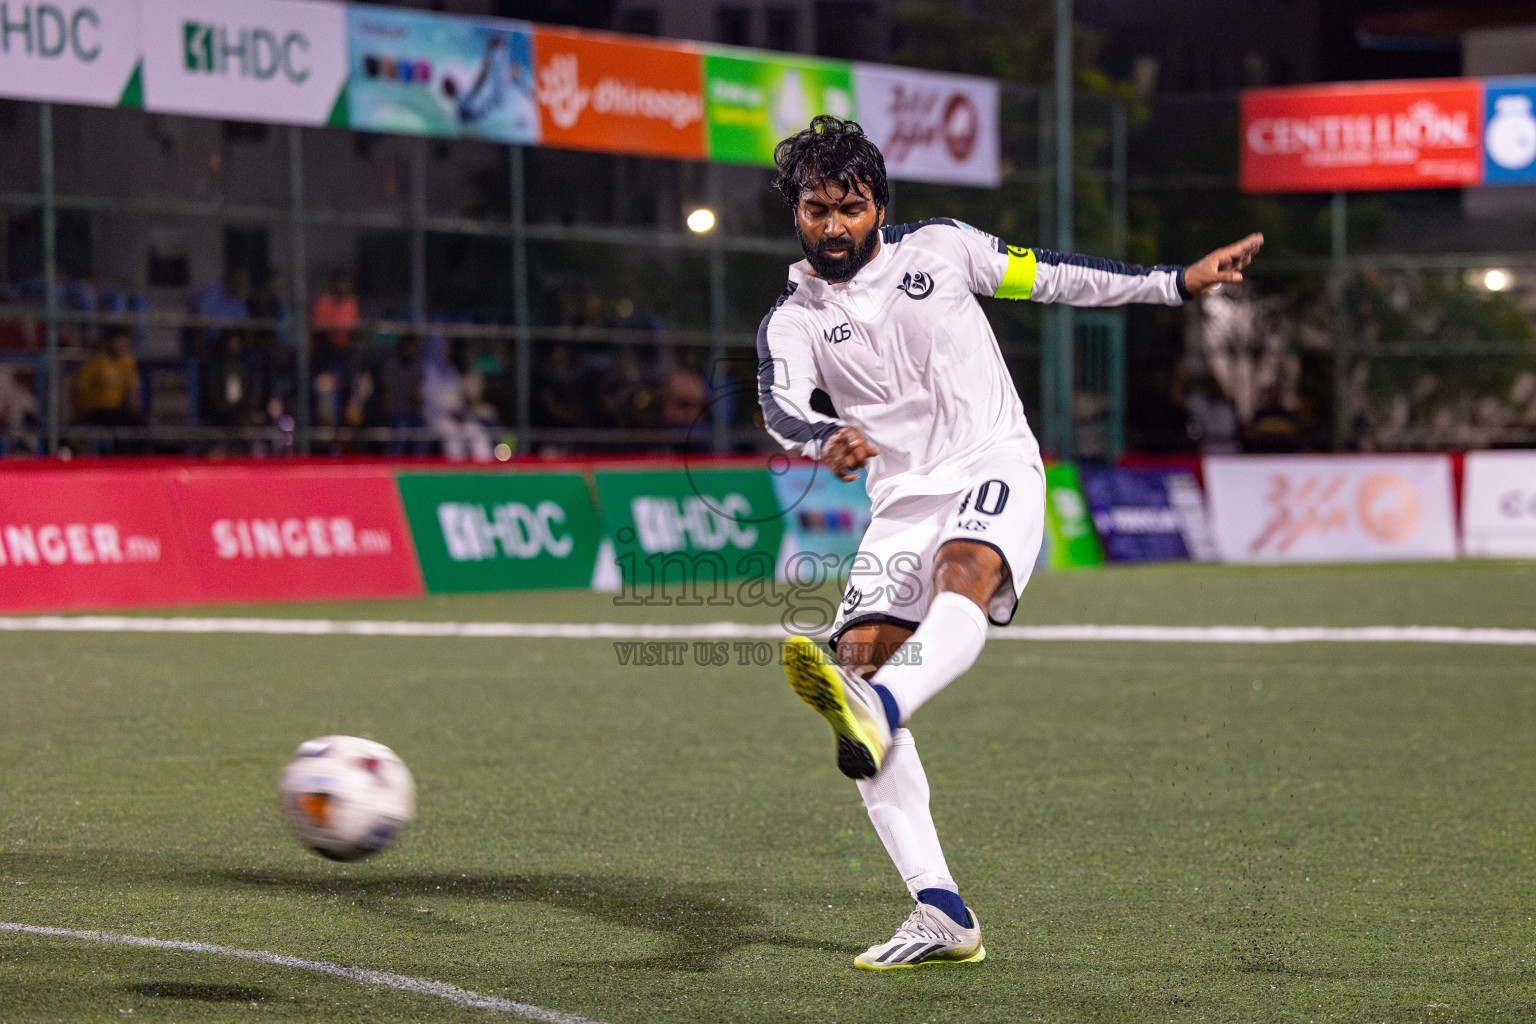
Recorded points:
296,534
1498,505
705,523
94,539
71,51
502,531
283,61
1341,508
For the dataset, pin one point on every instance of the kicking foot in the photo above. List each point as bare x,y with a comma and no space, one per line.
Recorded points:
927,936
847,702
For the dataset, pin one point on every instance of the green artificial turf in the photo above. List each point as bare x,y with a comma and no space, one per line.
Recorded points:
1146,831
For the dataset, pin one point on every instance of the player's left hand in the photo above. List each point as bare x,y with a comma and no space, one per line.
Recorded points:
1224,266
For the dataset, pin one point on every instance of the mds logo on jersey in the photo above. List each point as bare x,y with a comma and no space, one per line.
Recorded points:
837,335
916,284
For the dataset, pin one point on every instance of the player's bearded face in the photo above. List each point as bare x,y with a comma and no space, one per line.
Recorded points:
839,232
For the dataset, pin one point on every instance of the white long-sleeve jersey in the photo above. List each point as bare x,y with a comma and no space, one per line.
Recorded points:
906,354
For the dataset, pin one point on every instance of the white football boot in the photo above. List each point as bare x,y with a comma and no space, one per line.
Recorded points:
849,704
927,936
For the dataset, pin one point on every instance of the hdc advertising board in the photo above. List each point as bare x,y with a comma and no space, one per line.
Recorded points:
71,51
298,534
1340,508
432,74
1498,505
502,531
615,95
283,61
1363,136
931,127
102,539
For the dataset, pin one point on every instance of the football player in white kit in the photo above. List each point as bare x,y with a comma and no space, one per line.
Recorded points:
884,319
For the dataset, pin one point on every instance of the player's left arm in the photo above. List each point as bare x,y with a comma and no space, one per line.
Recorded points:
1011,272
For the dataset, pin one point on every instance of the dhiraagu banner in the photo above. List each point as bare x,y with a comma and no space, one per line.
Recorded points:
282,61
501,531
753,101
1070,538
71,51
433,74
690,527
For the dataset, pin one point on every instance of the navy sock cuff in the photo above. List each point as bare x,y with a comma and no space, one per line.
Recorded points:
892,709
949,902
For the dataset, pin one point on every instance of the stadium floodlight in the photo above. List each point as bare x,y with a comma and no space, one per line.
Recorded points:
1497,280
701,220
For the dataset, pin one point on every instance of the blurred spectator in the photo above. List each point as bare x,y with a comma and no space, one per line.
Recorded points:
230,390
684,398
1212,417
561,390
107,387
400,379
17,403
445,406
333,315
625,395
1275,427
225,301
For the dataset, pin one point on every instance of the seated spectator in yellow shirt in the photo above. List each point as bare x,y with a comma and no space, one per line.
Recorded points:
107,388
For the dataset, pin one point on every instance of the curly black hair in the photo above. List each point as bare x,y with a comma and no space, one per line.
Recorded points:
831,150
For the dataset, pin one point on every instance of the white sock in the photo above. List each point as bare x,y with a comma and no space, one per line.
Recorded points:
897,801
947,642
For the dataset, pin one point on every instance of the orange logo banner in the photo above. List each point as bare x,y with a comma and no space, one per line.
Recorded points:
604,93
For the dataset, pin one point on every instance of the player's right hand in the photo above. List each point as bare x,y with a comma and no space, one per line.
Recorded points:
846,451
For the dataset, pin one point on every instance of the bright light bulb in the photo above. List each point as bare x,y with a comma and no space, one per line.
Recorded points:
701,220
1496,280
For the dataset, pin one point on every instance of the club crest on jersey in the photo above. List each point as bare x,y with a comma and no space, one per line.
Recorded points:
837,335
916,284
852,599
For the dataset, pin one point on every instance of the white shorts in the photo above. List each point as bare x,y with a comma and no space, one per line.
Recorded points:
891,578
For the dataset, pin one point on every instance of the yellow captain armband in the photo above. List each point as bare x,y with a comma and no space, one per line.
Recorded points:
1019,278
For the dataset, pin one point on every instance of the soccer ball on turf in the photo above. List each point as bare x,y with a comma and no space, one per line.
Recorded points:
347,798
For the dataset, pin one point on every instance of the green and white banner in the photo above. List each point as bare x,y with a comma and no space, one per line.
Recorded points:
696,526
501,531
1070,538
71,51
283,61
753,100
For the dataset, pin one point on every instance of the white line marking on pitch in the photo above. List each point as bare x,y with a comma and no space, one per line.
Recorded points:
744,631
377,979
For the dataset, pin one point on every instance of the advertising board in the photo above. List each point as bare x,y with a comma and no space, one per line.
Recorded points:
433,74
617,95
697,525
296,534
1332,508
283,61
101,539
755,100
1070,541
502,531
71,51
1425,133
1498,505
1509,134
930,126
1148,515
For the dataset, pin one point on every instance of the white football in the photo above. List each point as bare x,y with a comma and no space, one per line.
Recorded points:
346,797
